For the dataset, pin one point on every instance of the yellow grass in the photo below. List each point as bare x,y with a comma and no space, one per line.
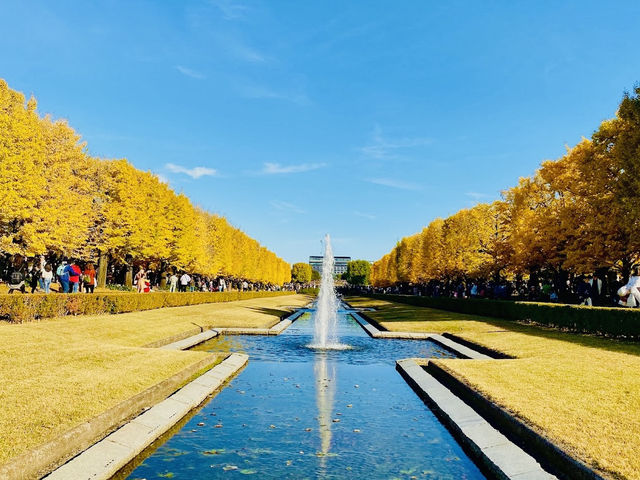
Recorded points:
581,392
58,373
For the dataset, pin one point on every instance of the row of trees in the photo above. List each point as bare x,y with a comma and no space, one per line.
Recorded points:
58,200
358,273
575,215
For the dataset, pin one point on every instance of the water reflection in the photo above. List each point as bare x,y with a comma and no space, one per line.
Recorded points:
325,377
276,419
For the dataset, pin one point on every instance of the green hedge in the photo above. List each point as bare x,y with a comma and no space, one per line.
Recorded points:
611,322
19,308
309,291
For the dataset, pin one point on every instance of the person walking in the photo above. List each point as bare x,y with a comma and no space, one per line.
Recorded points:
63,277
140,279
74,272
42,263
46,277
173,282
34,278
89,278
184,281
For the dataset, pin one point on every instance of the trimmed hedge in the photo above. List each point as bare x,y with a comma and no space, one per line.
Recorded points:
309,291
611,322
19,308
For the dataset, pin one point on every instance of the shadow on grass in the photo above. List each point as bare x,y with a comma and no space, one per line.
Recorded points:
398,312
275,312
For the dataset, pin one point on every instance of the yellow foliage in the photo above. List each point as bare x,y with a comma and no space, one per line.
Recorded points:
58,199
578,214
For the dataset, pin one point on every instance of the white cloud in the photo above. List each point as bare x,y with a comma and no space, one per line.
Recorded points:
276,168
390,182
477,196
381,147
230,10
368,216
162,178
195,172
286,206
246,53
189,72
261,92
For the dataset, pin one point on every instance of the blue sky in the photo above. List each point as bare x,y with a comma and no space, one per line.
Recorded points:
363,119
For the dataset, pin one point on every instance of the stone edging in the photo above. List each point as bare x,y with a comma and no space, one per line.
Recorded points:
44,458
182,343
522,436
459,349
105,458
47,457
494,452
550,454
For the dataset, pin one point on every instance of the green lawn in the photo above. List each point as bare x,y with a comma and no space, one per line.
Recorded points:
581,392
58,373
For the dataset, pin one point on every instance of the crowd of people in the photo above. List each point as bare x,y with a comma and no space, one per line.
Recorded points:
606,289
68,276
39,276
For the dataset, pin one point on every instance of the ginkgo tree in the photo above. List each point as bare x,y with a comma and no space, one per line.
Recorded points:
59,201
577,214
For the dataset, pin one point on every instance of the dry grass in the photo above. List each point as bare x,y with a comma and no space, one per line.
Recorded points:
579,391
57,373
141,328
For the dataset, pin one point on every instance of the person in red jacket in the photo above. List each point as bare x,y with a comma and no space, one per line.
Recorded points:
74,276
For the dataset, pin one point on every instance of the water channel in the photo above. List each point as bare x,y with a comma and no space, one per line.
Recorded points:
301,413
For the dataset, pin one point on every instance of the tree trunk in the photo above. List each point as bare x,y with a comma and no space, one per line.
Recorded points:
128,278
103,265
163,275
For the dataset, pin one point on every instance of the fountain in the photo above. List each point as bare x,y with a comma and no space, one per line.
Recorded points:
326,316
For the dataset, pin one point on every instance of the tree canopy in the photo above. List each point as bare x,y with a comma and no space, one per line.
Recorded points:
57,199
576,214
301,273
358,272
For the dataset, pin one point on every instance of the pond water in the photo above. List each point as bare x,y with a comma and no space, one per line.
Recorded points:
299,413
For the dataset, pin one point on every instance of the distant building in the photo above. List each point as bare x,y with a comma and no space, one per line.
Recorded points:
339,268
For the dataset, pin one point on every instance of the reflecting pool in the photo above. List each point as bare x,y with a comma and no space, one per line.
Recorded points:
297,413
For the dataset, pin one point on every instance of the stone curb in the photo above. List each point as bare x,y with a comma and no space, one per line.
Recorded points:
277,329
195,338
520,434
105,458
552,456
46,457
191,341
494,452
459,349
